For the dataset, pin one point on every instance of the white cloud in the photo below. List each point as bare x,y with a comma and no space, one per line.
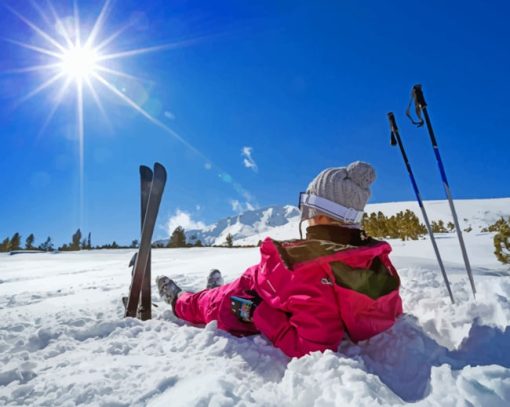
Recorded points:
240,207
183,219
236,205
248,160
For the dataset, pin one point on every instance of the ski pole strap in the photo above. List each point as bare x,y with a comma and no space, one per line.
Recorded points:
419,104
331,208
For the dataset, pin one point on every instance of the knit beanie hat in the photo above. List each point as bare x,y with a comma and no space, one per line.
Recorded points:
347,186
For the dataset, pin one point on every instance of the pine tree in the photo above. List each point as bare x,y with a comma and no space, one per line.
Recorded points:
450,226
5,245
76,240
502,242
229,240
198,243
134,244
178,238
15,243
47,245
438,227
495,226
89,242
29,242
382,229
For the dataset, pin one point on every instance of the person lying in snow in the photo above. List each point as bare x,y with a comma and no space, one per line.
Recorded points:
305,294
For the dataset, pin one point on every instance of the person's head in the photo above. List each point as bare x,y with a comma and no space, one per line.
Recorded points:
338,195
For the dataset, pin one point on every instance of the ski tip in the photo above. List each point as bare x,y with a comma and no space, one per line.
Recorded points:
145,172
159,168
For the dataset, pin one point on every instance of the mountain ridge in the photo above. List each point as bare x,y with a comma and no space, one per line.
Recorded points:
281,222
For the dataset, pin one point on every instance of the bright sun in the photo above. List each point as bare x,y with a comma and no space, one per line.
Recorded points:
79,63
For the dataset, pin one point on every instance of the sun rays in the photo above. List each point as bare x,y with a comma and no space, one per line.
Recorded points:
78,63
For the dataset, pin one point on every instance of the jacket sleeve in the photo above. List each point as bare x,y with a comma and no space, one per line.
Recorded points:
310,325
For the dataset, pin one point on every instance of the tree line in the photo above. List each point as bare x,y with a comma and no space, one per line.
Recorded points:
403,225
78,242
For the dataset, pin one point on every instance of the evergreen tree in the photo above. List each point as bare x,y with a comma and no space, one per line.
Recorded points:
198,243
502,242
29,242
229,240
47,245
410,226
381,225
76,240
5,245
393,231
89,242
438,227
450,226
178,238
114,245
134,244
15,243
495,227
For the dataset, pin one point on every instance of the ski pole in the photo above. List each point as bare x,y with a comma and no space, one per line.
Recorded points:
421,107
395,139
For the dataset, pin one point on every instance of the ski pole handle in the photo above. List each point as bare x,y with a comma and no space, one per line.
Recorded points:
418,97
393,128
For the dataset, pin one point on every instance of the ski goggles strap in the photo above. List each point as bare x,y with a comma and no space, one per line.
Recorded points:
331,208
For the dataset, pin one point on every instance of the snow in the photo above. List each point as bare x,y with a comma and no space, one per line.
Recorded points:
63,340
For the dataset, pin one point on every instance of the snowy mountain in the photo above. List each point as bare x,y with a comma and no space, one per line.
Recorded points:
248,224
282,222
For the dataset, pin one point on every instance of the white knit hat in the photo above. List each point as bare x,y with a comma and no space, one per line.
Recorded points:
345,186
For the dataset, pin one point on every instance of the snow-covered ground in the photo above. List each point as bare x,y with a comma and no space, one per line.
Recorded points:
63,340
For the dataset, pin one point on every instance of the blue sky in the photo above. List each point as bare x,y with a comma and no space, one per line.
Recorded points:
299,86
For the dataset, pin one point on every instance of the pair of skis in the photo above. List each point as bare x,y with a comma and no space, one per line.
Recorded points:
152,185
421,107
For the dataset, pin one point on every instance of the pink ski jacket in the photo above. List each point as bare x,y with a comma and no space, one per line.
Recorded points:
314,291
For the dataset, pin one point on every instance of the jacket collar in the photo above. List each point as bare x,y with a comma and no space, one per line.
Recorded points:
336,234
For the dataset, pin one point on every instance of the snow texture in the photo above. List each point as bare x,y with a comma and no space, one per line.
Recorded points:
64,342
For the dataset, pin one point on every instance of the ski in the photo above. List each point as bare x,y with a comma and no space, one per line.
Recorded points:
144,309
141,261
